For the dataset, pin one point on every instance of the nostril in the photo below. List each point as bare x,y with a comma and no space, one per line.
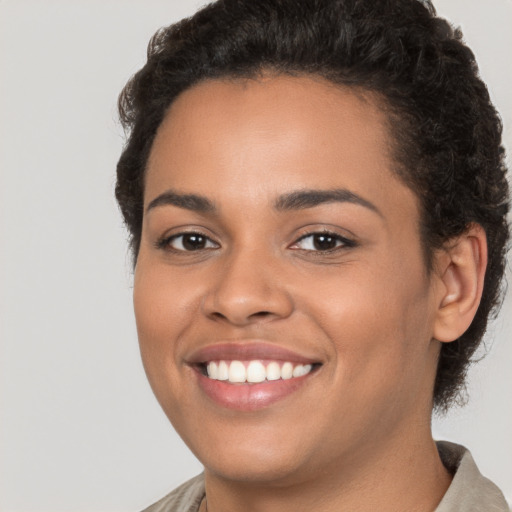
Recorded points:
232,318
218,315
229,302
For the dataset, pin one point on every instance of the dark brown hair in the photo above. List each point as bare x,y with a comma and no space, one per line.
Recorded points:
447,134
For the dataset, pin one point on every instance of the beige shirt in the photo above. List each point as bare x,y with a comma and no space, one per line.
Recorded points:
468,492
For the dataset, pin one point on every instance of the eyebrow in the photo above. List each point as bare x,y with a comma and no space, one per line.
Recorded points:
302,199
297,200
192,202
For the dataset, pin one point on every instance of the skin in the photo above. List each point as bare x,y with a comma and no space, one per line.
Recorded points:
356,435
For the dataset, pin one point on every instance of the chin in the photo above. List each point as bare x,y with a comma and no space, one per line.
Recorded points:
245,457
268,470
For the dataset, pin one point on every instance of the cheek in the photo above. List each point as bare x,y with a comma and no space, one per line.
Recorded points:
377,321
163,308
163,302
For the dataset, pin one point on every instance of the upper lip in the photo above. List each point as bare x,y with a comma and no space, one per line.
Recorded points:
247,351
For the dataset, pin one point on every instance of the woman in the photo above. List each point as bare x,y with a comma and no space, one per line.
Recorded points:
316,195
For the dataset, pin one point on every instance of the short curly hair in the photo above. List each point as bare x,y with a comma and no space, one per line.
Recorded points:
446,133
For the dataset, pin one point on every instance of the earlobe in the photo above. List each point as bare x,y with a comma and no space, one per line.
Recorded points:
461,271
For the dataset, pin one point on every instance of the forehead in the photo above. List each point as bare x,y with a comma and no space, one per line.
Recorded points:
233,138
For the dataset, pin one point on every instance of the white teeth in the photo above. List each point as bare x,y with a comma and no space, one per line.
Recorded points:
237,372
287,371
212,370
223,371
301,370
273,371
255,371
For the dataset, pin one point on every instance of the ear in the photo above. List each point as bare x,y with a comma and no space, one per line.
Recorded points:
460,268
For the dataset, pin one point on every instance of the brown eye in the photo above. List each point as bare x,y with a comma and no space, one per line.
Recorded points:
190,242
193,242
322,242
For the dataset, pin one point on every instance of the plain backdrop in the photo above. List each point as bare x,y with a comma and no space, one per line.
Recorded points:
79,428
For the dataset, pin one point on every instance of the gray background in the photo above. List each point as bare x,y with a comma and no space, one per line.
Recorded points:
80,429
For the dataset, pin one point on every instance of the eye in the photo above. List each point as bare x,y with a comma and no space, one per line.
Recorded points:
323,241
187,242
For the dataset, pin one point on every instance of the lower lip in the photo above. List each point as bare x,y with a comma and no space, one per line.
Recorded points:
249,397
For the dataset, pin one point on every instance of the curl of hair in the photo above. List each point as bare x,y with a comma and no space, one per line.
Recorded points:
446,132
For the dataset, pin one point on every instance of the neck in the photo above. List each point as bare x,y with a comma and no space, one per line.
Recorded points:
407,475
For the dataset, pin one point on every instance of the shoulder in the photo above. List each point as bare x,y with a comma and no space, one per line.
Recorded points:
469,491
185,498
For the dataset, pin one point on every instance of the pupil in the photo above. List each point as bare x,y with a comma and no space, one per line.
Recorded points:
324,242
194,242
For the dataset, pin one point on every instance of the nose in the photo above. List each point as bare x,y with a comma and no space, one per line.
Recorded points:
248,289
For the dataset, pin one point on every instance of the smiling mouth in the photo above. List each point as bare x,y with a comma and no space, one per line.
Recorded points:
250,375
254,371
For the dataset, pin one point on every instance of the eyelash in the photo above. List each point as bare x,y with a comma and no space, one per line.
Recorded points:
165,242
341,241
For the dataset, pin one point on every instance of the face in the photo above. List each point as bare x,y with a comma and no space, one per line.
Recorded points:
283,309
